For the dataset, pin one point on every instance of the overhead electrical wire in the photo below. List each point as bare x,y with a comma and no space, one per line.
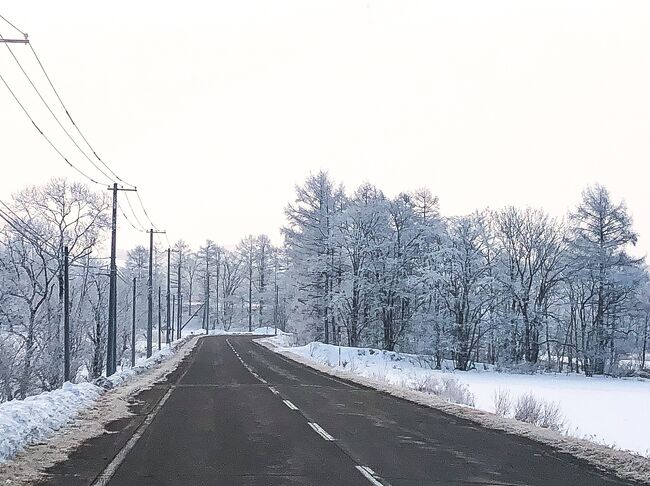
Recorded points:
145,210
137,220
58,97
128,220
46,137
29,228
56,118
3,18
81,134
20,227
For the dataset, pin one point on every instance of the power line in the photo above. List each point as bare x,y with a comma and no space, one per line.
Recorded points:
81,134
72,121
11,51
137,220
36,242
145,211
45,136
49,80
26,226
129,221
3,18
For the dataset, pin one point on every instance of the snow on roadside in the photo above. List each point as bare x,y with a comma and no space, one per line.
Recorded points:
399,375
24,422
260,331
30,421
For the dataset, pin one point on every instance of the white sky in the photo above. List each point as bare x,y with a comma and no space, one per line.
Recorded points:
217,109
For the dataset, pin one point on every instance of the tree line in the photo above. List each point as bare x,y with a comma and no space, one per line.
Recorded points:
512,287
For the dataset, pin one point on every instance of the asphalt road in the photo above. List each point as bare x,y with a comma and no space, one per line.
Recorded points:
234,413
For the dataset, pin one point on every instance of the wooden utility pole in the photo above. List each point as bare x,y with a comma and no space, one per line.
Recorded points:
250,298
66,315
169,315
111,342
150,294
179,299
206,310
112,295
159,322
180,316
275,307
133,328
173,331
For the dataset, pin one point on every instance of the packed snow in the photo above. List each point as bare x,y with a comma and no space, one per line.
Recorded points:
30,421
24,422
609,411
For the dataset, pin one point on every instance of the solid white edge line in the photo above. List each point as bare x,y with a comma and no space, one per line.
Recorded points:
369,474
320,431
290,405
110,470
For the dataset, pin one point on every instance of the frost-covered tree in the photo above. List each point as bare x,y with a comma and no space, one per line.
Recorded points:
605,274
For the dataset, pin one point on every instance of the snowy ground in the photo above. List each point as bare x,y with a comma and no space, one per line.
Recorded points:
260,331
607,411
31,421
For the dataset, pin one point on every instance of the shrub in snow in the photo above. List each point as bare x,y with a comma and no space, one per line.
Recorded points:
551,416
456,392
427,383
528,409
623,370
521,368
502,402
538,412
449,389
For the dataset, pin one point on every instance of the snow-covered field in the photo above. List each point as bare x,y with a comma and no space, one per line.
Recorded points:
610,411
30,421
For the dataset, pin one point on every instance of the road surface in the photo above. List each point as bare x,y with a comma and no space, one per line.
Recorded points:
234,413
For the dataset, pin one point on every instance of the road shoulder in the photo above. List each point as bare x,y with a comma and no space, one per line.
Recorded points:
79,452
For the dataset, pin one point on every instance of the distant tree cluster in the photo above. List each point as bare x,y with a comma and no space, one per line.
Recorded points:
509,287
513,287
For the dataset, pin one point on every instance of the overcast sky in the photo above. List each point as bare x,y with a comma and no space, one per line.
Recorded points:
217,109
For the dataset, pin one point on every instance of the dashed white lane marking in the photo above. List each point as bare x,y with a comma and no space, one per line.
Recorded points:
290,405
250,370
320,431
369,474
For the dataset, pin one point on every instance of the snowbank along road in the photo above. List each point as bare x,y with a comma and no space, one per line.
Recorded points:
235,413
